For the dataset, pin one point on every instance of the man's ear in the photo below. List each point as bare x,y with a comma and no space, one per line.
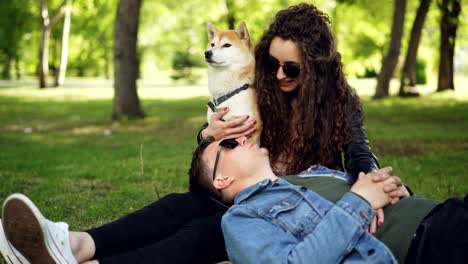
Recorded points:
222,182
211,30
242,31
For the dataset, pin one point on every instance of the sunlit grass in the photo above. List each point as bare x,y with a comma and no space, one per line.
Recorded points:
98,89
60,146
75,93
366,88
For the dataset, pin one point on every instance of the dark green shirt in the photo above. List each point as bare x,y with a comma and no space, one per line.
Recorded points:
401,219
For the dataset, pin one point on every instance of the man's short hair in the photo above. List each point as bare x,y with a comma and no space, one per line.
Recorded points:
199,174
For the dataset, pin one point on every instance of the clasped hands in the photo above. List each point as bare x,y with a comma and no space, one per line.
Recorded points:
379,188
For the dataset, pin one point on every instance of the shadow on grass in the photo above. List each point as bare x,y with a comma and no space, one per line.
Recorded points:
83,167
94,117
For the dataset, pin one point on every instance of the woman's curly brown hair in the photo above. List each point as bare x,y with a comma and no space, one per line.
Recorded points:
319,129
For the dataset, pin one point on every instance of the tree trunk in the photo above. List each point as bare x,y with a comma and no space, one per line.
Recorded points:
408,74
126,102
391,58
46,25
62,69
17,67
6,73
43,69
231,19
451,10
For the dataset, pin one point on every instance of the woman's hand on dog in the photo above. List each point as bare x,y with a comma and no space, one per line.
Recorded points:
219,129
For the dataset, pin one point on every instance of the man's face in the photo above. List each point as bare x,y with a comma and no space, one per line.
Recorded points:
243,159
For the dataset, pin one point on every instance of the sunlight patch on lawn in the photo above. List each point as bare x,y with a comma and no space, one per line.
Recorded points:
366,88
88,130
71,94
418,148
86,90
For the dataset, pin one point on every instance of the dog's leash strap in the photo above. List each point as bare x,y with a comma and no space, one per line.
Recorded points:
212,104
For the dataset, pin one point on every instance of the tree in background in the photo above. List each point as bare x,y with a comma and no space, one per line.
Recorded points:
46,27
188,54
231,16
408,73
449,22
93,23
62,69
104,36
126,101
391,58
170,31
362,31
16,20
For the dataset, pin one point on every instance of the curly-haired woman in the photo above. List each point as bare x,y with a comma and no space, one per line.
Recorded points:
310,114
310,117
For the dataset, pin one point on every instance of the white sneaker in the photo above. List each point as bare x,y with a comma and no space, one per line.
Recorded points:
10,254
38,239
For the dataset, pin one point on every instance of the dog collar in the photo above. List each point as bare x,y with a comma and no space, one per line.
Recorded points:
212,104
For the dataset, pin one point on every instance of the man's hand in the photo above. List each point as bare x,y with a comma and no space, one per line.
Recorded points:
372,191
235,128
394,185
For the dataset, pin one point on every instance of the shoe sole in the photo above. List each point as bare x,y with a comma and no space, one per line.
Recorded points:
24,228
6,250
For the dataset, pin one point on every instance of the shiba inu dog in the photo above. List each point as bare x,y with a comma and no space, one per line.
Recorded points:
231,70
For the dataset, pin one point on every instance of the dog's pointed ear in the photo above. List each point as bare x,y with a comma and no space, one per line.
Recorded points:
211,30
242,31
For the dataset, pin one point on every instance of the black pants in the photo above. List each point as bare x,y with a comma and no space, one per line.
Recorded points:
179,228
442,237
186,228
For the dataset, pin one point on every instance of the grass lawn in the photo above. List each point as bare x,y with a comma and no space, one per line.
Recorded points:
60,147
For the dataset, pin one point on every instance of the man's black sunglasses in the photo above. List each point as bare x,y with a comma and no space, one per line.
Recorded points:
229,143
290,69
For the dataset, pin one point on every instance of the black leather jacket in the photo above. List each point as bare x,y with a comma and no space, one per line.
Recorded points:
357,156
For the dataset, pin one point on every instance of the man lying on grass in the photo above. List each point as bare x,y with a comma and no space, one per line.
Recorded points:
274,221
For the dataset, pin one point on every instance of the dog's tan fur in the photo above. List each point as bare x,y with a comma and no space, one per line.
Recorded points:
230,68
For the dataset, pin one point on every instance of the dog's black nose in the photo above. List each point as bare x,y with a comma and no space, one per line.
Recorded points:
208,54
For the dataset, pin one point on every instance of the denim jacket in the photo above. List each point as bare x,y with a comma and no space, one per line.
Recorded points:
277,222
322,171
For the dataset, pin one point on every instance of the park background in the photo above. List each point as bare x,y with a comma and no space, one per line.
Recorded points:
97,122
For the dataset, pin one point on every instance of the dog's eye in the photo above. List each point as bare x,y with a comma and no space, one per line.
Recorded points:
227,45
212,44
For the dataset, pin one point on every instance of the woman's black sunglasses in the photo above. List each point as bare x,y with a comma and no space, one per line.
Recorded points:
229,143
290,69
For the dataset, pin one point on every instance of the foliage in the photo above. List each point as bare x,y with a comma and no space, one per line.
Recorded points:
362,28
182,64
15,22
92,31
421,77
